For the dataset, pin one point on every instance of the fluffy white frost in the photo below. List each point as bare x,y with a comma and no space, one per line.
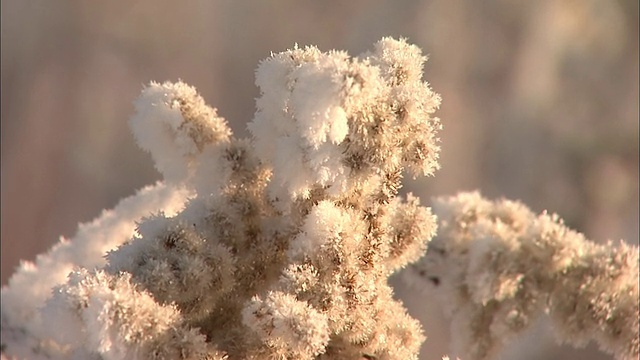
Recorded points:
322,114
31,285
174,124
497,267
282,321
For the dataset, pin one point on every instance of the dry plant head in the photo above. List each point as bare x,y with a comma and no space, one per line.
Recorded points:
282,244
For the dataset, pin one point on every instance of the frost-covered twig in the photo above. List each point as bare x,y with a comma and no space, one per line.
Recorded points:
497,267
31,285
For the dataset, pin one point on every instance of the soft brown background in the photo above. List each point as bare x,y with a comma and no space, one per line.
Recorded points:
540,103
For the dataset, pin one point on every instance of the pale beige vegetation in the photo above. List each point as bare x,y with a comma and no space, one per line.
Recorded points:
286,240
540,104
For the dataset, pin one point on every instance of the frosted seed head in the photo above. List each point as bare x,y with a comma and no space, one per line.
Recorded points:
174,124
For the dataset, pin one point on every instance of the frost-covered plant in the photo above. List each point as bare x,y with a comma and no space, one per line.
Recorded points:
286,240
496,267
280,246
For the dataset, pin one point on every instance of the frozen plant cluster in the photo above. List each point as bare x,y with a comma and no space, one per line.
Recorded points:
280,246
284,242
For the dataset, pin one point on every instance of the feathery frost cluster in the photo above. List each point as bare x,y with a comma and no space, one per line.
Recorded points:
496,267
284,242
280,246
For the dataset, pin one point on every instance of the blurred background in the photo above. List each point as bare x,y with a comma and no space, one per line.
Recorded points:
540,103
